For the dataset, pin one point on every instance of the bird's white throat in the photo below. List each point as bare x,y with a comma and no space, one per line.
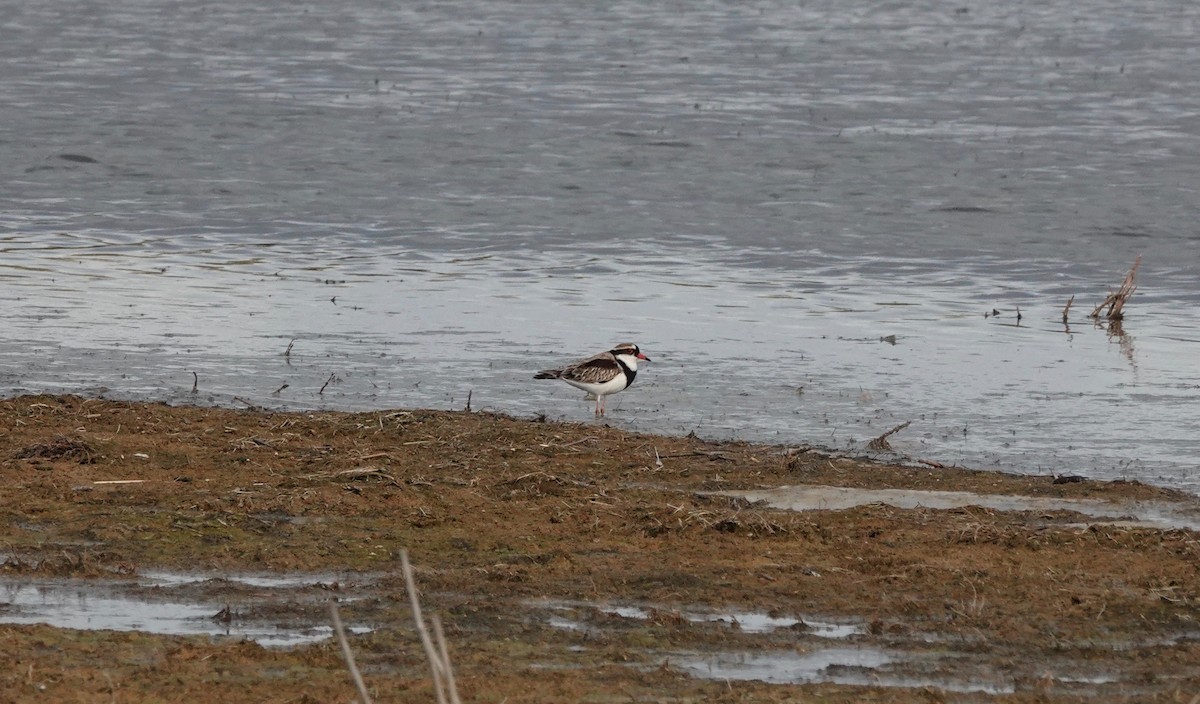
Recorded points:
629,361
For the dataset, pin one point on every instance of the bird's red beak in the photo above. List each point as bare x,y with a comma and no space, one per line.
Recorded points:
643,357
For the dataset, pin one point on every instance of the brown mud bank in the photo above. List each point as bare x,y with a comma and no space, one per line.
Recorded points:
568,562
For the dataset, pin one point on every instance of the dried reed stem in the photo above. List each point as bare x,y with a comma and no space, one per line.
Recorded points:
347,654
1067,309
444,685
1116,300
440,636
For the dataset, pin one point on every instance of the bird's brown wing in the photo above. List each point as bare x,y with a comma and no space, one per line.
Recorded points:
595,370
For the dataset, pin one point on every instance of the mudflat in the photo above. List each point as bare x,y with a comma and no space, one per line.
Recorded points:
572,562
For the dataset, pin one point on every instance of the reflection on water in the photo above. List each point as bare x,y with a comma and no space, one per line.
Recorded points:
802,211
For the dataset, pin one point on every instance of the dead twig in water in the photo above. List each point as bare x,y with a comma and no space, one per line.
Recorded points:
276,391
880,444
327,382
1116,300
195,381
347,653
439,658
469,391
1067,309
287,354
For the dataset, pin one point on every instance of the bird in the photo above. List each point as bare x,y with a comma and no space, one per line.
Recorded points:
602,375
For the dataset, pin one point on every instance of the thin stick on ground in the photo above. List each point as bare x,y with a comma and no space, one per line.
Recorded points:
347,654
439,659
1116,300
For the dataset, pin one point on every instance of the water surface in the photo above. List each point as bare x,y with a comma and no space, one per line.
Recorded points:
801,212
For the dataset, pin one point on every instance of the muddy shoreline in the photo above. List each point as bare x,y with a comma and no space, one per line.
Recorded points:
572,562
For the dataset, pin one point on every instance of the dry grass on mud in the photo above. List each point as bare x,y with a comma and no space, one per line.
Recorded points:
498,511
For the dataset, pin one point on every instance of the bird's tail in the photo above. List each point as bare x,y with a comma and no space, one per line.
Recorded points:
548,374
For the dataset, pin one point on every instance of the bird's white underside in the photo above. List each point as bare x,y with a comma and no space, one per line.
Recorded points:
612,386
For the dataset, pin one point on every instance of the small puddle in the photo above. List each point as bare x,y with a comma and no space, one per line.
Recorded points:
745,621
162,603
843,666
765,623
812,661
289,581
813,497
787,667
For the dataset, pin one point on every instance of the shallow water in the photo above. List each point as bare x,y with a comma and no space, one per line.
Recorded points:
844,666
434,202
743,621
162,603
289,610
791,667
830,498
